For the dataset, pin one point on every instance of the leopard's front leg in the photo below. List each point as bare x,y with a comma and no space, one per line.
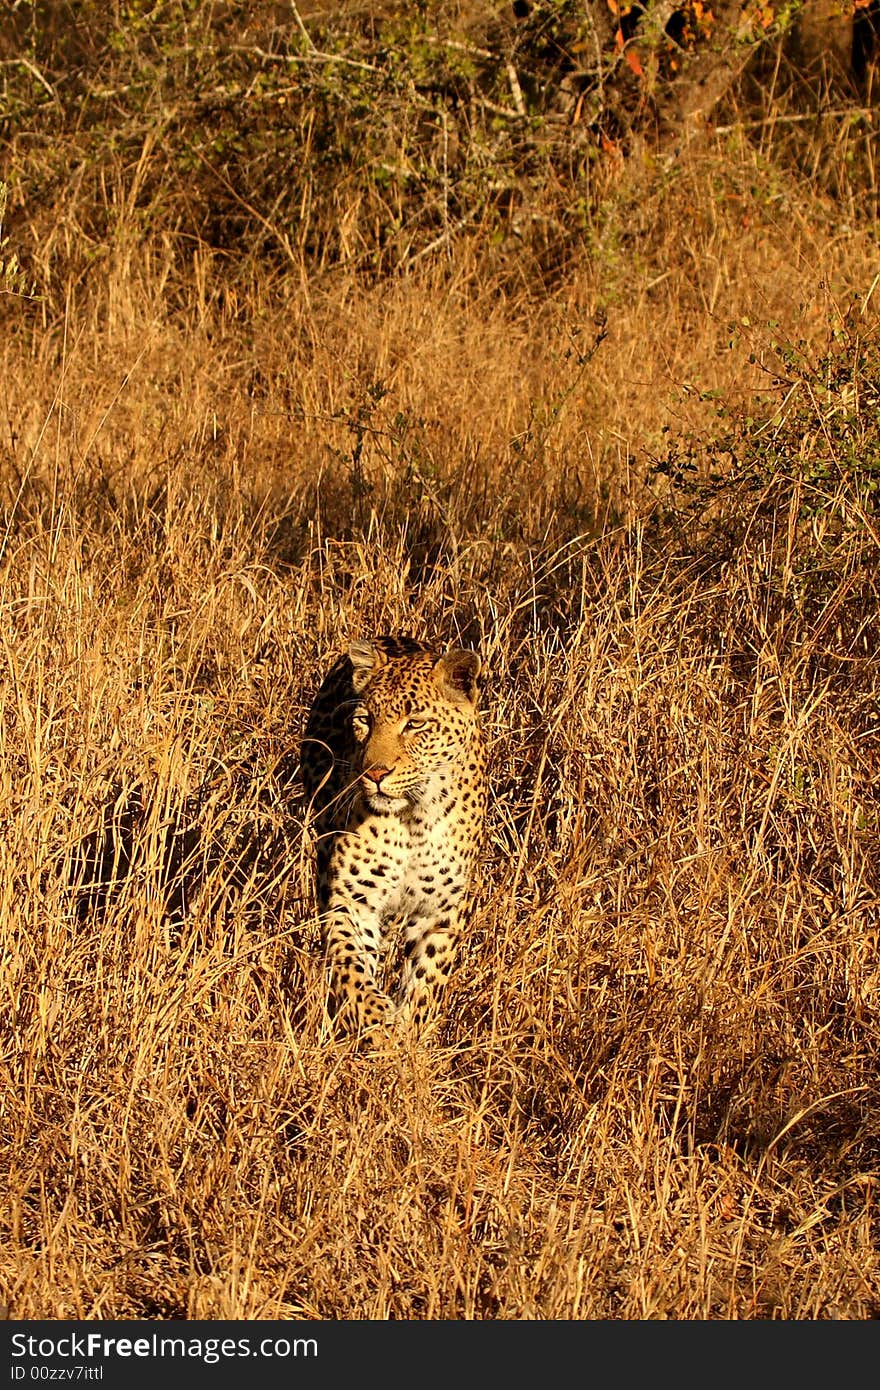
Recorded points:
363,877
429,952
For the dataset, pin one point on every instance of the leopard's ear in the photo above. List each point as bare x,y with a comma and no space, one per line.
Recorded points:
456,674
365,658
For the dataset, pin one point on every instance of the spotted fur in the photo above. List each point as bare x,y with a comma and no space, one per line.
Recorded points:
395,773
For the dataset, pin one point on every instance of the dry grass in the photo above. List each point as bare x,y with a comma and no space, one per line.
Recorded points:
653,1090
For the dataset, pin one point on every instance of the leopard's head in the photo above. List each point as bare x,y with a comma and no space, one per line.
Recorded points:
413,718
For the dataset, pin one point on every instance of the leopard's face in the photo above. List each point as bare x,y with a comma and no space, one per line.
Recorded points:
413,722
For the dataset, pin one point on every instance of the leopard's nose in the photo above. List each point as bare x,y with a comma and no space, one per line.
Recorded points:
375,774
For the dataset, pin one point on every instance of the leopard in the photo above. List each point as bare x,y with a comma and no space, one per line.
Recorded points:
394,771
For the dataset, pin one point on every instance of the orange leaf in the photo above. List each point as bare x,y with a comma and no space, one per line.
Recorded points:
634,62
618,40
727,1204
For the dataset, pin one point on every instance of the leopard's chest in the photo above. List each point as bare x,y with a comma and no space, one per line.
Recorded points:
414,866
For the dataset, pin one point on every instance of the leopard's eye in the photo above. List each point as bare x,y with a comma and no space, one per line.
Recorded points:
361,723
414,726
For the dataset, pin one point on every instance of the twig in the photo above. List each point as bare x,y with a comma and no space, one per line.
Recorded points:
313,57
301,27
515,90
32,68
792,120
459,47
498,110
445,236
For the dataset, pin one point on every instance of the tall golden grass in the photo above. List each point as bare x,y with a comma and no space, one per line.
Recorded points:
652,1093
